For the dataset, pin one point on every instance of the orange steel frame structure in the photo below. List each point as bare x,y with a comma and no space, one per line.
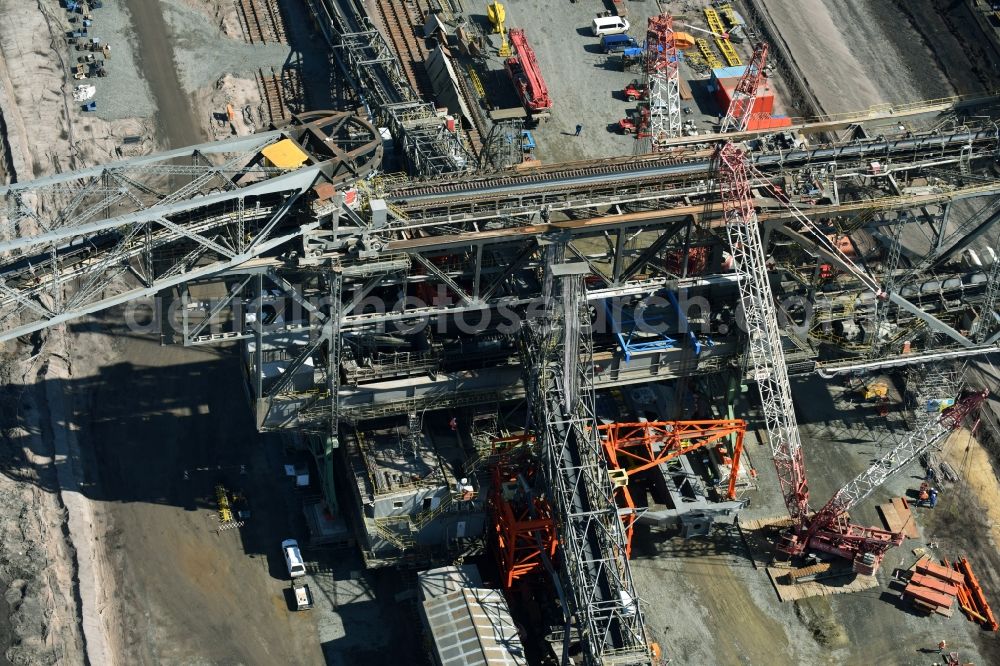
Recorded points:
636,447
523,525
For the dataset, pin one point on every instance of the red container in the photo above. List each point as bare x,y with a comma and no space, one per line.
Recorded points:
763,121
763,103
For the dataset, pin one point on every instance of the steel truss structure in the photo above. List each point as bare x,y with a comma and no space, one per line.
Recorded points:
375,75
437,251
642,246
83,241
663,82
557,360
741,105
524,529
632,448
763,336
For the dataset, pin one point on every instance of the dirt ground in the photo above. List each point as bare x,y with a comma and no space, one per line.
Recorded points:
158,428
46,548
857,54
85,570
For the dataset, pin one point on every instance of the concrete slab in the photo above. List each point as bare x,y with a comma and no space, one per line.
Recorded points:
584,83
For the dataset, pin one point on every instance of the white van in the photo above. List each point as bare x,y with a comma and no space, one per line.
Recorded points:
609,25
293,558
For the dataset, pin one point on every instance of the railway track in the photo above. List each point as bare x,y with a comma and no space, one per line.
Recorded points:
271,85
263,24
399,25
282,92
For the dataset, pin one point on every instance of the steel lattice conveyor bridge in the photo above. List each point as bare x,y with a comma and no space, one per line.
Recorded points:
86,240
82,241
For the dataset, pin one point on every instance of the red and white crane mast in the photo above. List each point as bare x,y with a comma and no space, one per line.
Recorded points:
761,318
829,529
663,80
741,105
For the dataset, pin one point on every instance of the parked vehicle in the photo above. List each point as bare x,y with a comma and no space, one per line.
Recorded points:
636,90
609,25
293,558
303,596
618,43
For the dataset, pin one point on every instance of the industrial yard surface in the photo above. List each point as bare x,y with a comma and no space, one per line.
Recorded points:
415,331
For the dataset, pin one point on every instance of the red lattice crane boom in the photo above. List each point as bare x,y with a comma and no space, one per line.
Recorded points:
526,75
829,529
763,334
741,105
662,115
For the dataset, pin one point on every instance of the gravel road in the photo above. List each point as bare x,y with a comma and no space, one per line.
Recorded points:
176,125
202,55
160,427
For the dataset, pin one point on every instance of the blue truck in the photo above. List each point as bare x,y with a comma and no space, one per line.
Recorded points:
618,43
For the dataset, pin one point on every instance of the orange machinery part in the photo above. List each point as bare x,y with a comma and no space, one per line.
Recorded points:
524,531
929,596
929,568
635,447
967,605
977,595
934,584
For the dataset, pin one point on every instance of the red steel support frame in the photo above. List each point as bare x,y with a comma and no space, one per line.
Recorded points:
636,447
522,523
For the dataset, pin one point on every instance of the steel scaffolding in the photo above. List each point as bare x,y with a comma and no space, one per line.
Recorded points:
431,149
557,359
663,80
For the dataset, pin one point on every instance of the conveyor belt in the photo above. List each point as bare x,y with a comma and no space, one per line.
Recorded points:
685,165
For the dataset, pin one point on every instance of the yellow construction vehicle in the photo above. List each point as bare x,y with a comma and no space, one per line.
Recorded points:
497,15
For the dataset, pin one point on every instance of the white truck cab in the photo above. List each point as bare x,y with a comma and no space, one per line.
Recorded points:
293,558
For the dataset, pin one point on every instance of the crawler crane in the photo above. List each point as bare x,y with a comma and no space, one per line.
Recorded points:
828,529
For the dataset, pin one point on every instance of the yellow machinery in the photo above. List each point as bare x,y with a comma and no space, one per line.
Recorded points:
706,52
497,15
876,389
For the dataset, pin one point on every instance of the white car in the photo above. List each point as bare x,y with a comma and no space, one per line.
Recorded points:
293,558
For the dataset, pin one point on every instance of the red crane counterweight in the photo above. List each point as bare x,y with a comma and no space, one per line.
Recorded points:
523,70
